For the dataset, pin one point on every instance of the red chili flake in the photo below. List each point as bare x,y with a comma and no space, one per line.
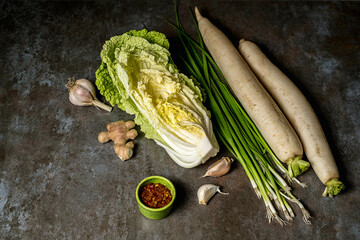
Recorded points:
155,195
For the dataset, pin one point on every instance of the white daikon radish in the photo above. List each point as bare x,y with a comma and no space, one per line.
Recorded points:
262,109
300,114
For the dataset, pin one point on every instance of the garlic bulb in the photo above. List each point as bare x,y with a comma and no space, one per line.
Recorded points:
205,192
82,93
219,168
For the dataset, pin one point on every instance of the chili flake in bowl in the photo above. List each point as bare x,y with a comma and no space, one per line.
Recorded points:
155,196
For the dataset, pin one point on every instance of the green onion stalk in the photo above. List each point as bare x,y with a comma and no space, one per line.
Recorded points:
237,132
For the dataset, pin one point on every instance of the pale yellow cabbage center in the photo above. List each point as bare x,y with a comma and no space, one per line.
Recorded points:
162,94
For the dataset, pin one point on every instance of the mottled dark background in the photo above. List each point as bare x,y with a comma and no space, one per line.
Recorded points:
58,182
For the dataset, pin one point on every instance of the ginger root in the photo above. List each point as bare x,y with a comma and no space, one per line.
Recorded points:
120,132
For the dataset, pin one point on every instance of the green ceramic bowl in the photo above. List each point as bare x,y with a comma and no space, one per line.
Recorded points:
155,213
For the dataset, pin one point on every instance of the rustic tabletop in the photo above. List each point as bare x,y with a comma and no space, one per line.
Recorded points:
58,182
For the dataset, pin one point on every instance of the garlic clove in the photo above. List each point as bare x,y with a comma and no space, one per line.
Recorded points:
206,191
219,168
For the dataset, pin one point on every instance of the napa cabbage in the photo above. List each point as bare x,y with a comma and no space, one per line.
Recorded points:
138,75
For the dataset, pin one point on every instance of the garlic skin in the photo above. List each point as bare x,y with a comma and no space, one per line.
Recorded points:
206,191
219,168
82,93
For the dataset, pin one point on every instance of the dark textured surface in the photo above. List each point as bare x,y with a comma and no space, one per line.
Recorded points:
58,182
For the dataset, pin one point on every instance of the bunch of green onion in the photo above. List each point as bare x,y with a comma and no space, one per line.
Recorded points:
237,132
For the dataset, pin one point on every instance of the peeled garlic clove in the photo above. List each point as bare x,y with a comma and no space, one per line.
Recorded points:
219,168
205,192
